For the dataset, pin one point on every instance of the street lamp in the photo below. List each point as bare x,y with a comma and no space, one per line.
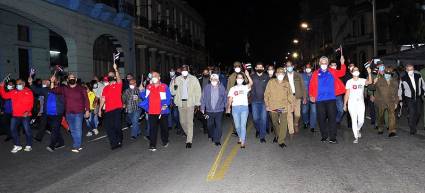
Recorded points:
295,55
296,41
305,26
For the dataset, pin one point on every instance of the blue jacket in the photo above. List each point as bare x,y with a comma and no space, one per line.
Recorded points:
7,106
326,88
206,99
145,96
307,79
54,104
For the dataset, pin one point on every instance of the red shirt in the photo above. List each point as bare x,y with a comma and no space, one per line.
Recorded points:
112,94
22,101
155,98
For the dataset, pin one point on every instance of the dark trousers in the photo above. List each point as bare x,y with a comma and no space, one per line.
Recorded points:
372,113
14,124
414,113
56,138
6,123
42,127
214,126
154,122
326,113
112,125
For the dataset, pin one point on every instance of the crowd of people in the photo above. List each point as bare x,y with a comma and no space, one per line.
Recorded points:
280,99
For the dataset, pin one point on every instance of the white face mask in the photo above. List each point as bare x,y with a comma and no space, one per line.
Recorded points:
280,77
214,83
172,73
132,86
410,73
356,73
271,72
185,73
44,86
308,70
237,70
20,87
239,81
155,80
9,87
324,67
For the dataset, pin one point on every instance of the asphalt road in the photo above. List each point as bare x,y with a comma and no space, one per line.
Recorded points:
376,164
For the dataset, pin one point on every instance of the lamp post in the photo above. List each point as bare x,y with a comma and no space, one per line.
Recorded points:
375,36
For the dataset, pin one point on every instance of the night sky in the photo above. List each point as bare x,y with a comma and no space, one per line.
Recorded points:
269,26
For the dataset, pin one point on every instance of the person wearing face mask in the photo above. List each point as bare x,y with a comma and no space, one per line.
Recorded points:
411,90
204,81
276,97
339,98
237,66
93,121
238,104
308,108
156,99
173,119
131,102
112,100
187,97
298,94
259,113
371,95
385,89
325,86
422,71
213,103
354,100
6,110
77,107
22,103
270,71
348,75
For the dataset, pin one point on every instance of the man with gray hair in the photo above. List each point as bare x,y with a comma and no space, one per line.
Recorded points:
324,87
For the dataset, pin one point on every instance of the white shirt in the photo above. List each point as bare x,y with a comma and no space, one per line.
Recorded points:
412,78
291,82
356,88
185,89
239,95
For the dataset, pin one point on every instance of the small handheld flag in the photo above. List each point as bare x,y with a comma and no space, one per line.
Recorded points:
339,49
7,78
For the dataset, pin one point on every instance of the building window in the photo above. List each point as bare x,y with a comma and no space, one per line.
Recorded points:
23,33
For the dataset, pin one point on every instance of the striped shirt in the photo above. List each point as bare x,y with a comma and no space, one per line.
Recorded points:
131,100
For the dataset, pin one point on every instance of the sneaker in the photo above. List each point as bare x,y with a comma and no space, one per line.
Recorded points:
324,139
356,141
217,143
152,149
359,134
16,148
75,150
188,145
48,132
333,141
89,134
48,148
282,145
392,135
59,146
312,130
95,131
79,149
165,145
28,148
263,140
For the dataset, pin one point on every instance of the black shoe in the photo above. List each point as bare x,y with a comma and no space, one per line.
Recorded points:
388,128
324,139
392,135
59,146
262,140
217,143
133,137
116,146
188,145
333,141
170,128
242,146
239,142
275,140
282,145
380,133
257,134
235,134
376,127
312,130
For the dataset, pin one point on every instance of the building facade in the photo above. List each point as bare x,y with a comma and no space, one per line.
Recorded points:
168,33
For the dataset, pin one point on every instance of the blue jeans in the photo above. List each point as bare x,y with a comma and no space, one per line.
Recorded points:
75,121
339,108
134,119
174,118
240,116
259,114
309,114
92,122
14,123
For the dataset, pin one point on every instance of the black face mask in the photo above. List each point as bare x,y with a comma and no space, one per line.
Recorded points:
111,78
259,71
72,81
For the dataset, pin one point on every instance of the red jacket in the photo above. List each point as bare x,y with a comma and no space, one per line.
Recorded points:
339,85
22,101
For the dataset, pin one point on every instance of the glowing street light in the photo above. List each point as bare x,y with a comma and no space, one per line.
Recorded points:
295,55
304,25
296,41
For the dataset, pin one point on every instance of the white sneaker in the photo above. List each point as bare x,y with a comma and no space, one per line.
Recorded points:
356,141
359,134
75,150
28,148
95,131
16,148
89,134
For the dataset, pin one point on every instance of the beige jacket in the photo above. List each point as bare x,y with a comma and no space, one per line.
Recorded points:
194,91
277,95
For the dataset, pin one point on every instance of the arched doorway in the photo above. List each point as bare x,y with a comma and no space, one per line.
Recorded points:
104,48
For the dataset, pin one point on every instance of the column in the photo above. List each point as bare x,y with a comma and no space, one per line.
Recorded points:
152,59
177,61
141,67
170,63
162,64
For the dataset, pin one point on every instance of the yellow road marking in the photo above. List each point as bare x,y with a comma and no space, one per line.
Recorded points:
215,175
